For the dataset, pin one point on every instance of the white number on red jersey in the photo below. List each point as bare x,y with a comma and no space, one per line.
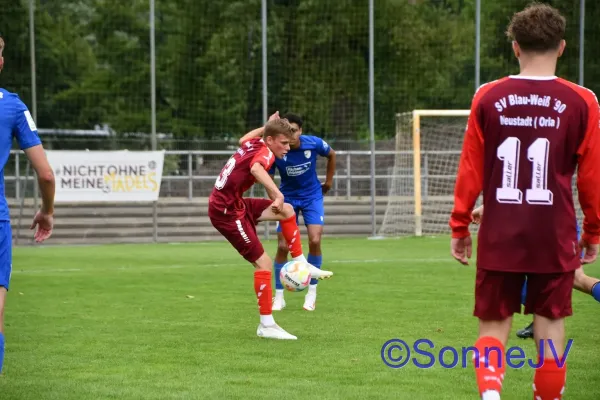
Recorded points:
538,154
222,178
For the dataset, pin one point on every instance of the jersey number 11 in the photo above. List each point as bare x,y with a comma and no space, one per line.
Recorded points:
537,154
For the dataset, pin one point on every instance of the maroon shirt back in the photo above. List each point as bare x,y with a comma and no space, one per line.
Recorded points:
531,130
235,177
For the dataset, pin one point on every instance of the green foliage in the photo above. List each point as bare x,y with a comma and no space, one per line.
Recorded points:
93,61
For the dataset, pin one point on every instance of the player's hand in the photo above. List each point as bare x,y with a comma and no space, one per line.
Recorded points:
325,187
591,251
274,116
277,205
477,215
44,223
461,249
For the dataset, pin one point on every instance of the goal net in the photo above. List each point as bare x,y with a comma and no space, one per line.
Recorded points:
421,189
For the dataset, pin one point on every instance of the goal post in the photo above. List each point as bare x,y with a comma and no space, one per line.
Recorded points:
427,152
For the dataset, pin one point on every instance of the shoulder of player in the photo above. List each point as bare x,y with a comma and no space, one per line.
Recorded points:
309,141
10,96
485,88
586,94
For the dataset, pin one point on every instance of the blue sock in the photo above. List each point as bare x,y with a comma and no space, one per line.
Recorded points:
1,350
524,292
278,267
316,261
595,292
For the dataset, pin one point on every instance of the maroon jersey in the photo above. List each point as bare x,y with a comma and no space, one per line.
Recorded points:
526,138
235,178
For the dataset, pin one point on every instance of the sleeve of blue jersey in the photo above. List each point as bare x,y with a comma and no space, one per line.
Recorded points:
321,146
24,128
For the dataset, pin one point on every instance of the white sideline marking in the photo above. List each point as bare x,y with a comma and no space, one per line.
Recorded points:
239,264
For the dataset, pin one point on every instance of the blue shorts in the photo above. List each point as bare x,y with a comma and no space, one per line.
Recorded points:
312,211
5,253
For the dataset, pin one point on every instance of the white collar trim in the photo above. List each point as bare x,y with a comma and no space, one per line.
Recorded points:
535,78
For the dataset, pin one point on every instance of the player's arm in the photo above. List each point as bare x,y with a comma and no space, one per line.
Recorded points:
588,176
324,150
46,181
330,171
258,132
469,180
26,133
255,133
262,176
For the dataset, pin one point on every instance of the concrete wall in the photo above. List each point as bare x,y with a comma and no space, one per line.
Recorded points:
179,220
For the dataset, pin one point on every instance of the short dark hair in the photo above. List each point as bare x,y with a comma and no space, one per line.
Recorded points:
293,119
538,28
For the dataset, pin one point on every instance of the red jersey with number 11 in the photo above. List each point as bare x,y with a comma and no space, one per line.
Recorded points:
525,140
235,177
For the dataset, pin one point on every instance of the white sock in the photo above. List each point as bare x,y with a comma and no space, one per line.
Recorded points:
490,395
279,293
312,289
300,258
267,320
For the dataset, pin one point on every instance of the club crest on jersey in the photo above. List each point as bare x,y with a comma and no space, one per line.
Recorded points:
307,153
297,170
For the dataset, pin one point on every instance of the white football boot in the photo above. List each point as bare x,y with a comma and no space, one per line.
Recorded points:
278,302
317,273
273,332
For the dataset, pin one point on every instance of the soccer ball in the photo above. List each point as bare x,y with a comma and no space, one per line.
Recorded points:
295,276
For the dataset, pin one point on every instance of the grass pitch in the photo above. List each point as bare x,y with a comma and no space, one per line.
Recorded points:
179,322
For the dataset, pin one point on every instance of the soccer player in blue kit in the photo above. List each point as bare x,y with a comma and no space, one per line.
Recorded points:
302,189
16,122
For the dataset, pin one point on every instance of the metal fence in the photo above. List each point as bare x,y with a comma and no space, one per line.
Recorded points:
191,76
191,174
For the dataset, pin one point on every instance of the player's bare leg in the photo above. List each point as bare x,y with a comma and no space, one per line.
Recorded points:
280,260
493,336
291,233
262,286
315,232
2,302
549,379
587,284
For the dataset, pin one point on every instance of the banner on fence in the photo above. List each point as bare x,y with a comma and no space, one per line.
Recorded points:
107,176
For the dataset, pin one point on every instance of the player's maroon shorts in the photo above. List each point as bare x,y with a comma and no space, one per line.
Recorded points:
240,230
498,294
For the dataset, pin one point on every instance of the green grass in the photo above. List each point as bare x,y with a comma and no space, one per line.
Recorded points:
120,322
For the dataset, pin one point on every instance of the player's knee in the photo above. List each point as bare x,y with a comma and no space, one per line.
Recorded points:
314,242
288,211
263,263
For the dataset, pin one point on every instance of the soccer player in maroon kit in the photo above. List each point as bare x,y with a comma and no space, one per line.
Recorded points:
527,135
236,217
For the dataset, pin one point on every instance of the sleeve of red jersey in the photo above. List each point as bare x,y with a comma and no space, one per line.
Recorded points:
469,180
264,157
588,175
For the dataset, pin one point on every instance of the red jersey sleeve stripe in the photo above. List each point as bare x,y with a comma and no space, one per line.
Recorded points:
469,179
588,173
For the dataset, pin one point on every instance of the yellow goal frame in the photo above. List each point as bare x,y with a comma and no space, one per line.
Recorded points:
416,134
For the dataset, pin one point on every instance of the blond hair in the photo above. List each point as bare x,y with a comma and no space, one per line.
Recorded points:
1,45
279,127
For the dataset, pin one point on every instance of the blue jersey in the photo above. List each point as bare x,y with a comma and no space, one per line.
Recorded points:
298,169
15,121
